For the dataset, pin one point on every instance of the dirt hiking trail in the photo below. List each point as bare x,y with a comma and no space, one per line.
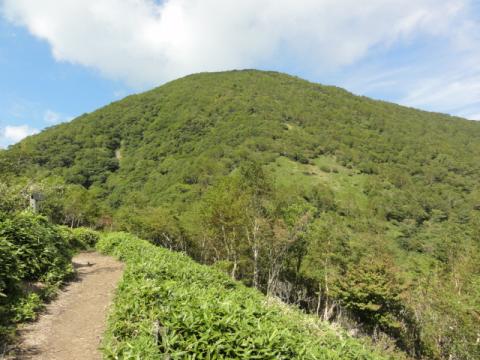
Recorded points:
72,325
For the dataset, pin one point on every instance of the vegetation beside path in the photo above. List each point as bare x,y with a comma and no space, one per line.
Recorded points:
169,305
35,260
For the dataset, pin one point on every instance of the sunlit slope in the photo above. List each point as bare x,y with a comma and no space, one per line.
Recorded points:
167,305
375,205
183,134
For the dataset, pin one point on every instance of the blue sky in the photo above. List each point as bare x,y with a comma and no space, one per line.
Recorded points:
62,58
36,91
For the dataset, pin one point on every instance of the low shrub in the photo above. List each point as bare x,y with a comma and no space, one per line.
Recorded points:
40,248
168,306
85,238
34,254
80,238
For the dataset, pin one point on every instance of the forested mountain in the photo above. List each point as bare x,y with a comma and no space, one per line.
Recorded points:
365,212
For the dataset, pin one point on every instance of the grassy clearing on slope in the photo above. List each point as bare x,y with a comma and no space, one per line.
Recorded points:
347,184
168,305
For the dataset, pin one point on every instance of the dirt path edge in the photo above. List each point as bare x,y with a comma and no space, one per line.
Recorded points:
71,327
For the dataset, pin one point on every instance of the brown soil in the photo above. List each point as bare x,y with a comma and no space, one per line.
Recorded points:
72,325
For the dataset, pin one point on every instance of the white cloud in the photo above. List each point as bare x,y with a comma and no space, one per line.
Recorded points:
146,43
12,134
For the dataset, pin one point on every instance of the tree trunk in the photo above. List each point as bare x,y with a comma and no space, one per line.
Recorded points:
319,299
234,268
255,267
272,280
326,314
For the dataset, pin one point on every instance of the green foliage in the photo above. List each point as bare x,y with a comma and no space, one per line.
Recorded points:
307,181
80,238
371,290
11,198
169,306
86,236
11,268
80,207
35,259
61,203
321,197
26,308
92,167
158,225
40,248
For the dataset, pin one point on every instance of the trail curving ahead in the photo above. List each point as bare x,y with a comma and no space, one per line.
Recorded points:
72,325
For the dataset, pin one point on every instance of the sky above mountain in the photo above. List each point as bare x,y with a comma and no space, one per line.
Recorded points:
62,58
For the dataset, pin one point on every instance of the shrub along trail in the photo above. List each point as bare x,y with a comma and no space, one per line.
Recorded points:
72,325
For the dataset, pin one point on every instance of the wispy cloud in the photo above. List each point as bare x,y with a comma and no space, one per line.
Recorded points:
52,117
452,92
20,108
439,74
440,85
119,93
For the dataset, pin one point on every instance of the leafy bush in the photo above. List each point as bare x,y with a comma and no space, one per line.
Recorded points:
40,247
31,250
10,268
80,238
169,305
85,238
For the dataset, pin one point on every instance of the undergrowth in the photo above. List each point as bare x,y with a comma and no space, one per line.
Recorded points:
35,260
169,307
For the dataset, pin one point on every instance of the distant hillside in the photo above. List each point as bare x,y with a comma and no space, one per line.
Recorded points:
365,212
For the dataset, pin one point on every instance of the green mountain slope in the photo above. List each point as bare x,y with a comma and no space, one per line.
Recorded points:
195,311
352,208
